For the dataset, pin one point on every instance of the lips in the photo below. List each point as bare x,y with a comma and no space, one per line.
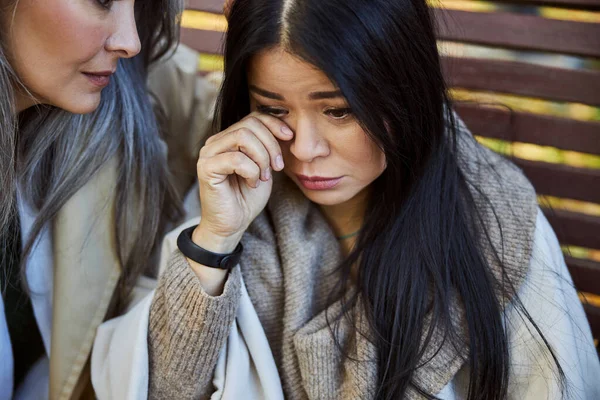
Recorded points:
318,182
99,79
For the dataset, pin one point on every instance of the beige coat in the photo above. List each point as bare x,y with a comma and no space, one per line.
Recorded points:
86,267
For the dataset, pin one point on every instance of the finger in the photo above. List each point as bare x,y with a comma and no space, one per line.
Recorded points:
279,128
245,141
217,169
266,128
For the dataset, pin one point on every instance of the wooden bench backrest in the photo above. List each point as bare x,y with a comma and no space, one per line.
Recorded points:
557,84
519,32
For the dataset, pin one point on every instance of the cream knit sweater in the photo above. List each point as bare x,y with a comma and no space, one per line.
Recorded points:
289,255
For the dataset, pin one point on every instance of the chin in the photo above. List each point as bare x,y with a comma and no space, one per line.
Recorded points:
82,104
327,197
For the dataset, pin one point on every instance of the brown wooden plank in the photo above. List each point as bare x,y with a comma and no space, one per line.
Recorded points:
517,31
558,84
496,121
574,228
216,6
212,6
572,4
563,181
593,316
203,41
585,274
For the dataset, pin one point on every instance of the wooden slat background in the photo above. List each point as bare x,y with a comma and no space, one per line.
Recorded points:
571,4
515,126
513,31
212,6
558,84
523,32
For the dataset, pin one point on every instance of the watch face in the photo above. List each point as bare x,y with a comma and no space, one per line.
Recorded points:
227,262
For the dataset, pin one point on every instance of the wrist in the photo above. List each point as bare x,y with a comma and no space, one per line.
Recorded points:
215,243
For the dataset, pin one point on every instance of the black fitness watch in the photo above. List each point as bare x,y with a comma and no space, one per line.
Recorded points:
202,256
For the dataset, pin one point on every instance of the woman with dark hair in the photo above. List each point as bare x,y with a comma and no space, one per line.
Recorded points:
393,258
85,186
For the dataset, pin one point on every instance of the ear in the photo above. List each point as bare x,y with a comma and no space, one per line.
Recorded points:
227,7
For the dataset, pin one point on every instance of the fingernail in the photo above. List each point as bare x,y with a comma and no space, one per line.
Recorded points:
279,162
286,131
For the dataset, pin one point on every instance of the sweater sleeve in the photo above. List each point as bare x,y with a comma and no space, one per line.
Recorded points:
187,330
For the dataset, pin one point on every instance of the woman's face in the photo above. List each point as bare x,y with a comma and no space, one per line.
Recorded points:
65,51
331,158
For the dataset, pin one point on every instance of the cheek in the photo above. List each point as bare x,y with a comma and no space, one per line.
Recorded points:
361,154
51,40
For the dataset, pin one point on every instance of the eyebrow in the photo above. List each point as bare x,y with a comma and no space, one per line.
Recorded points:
325,95
266,93
312,96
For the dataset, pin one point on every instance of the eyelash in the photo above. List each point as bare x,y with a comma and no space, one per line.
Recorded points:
277,112
346,111
105,3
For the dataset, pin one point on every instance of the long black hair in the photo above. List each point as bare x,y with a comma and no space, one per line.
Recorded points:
383,57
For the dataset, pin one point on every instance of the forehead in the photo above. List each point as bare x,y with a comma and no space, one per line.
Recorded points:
280,71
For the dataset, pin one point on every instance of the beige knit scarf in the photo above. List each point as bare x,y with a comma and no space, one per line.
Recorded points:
293,239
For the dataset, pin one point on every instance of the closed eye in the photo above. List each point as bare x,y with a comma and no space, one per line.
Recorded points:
105,3
274,111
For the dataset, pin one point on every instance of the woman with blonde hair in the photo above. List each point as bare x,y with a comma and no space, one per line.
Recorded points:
86,191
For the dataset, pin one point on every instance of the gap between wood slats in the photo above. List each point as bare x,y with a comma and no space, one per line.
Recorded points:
558,84
203,41
585,274
213,6
574,228
498,122
519,32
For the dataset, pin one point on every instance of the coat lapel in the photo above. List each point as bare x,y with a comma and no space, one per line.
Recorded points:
85,276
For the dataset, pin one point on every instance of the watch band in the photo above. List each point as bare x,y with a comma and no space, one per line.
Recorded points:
202,256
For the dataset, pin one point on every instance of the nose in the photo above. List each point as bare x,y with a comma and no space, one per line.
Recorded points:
125,40
307,143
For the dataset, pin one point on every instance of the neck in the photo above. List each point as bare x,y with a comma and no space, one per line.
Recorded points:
22,101
347,218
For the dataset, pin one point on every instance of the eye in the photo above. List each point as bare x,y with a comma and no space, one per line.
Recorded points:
276,112
338,113
105,3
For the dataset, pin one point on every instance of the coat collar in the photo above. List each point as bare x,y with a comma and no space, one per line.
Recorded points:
86,271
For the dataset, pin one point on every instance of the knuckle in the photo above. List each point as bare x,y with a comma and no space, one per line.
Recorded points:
202,153
253,120
243,134
238,159
201,169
